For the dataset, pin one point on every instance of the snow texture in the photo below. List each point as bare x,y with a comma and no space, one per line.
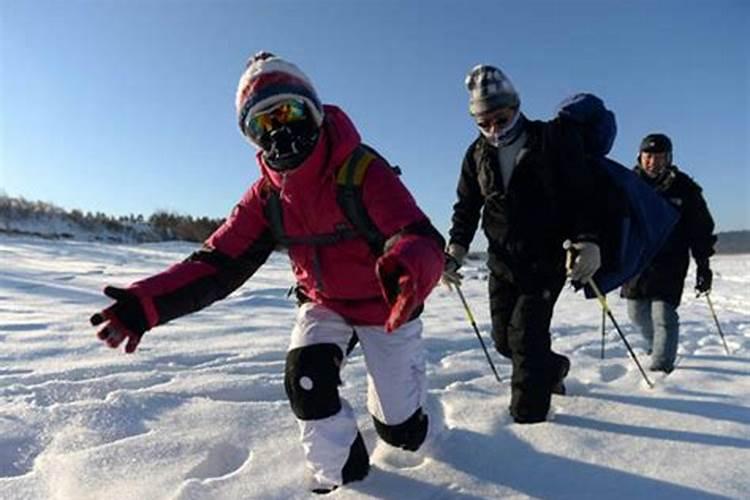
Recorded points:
199,412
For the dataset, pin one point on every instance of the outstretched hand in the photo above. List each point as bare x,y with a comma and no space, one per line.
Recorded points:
122,320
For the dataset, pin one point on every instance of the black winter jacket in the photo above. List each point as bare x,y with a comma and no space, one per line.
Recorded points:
664,278
547,201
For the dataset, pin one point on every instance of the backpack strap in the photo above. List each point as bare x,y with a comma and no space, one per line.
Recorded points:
349,181
272,210
275,218
274,215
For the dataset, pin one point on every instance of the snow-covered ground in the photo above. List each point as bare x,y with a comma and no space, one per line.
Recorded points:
199,412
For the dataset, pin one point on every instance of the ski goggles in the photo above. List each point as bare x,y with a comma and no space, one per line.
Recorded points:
283,113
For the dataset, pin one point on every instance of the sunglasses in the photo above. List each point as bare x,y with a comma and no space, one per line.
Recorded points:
500,121
283,113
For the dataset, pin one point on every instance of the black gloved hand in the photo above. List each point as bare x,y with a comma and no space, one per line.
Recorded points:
703,279
123,319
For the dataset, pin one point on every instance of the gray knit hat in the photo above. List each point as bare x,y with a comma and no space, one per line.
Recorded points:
489,89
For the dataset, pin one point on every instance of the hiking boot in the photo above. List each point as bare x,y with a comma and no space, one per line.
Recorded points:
559,386
524,419
319,488
660,368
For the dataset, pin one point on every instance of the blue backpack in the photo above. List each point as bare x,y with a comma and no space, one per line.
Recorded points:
635,221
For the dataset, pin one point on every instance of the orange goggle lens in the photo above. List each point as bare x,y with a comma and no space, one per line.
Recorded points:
281,114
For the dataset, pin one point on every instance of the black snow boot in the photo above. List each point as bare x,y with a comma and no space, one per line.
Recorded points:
559,386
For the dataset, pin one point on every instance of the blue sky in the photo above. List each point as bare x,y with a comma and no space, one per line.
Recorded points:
128,106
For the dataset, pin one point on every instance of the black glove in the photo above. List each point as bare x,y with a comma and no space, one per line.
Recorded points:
703,279
123,319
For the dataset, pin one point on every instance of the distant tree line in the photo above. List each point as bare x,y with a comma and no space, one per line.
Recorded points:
733,242
183,227
162,225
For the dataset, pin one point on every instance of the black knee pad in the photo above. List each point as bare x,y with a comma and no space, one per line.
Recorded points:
408,435
311,380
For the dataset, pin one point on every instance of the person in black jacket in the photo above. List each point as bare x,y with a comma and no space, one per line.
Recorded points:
528,182
654,295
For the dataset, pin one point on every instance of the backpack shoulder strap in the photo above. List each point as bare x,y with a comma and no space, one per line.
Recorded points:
352,172
272,211
349,181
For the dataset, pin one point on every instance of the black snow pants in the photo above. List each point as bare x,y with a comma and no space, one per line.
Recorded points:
520,330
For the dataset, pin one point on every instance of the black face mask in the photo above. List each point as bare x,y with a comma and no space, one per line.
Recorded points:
286,147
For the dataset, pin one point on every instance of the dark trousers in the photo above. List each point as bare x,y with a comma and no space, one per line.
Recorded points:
520,330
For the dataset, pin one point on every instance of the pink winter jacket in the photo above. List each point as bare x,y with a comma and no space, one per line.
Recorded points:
346,280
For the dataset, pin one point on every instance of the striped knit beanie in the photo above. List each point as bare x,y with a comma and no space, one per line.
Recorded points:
490,89
269,79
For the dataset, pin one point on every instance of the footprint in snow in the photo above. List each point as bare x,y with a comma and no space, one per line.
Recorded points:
612,372
221,460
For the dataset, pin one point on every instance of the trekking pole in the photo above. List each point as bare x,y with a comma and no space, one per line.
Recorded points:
606,309
604,327
716,320
476,330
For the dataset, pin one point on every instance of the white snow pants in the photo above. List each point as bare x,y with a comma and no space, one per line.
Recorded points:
395,383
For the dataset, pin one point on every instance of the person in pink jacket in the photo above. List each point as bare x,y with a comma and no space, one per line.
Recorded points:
351,287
